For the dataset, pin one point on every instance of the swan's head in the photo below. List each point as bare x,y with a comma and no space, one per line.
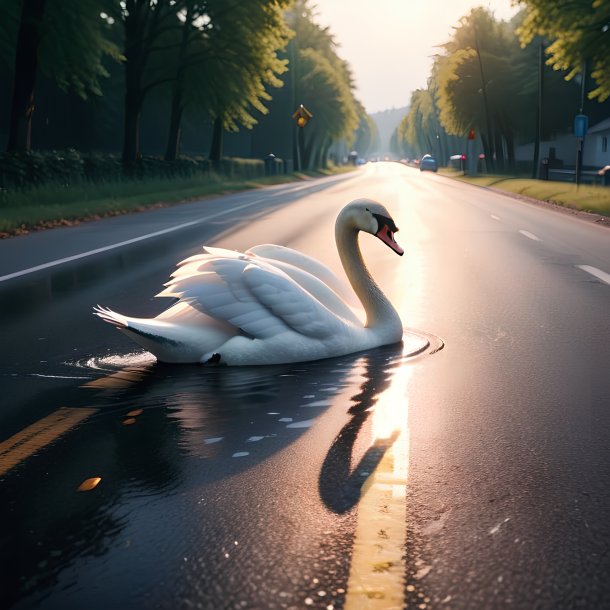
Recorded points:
372,217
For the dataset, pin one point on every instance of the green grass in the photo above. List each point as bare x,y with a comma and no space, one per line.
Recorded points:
586,197
56,204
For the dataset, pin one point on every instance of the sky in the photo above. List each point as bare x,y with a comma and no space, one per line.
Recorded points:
389,44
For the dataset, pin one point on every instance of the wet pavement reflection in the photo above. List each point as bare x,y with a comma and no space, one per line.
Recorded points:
189,486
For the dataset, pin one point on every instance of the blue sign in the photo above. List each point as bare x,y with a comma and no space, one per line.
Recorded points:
581,124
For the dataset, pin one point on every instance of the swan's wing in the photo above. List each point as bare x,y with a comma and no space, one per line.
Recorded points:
318,289
294,305
192,264
309,264
216,287
253,296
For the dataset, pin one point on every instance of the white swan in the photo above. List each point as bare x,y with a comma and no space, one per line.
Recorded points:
272,304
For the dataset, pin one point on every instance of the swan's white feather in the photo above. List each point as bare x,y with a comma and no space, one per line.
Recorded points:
290,302
309,273
179,334
255,297
298,260
268,305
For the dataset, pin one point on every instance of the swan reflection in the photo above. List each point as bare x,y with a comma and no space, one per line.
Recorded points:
201,443
379,420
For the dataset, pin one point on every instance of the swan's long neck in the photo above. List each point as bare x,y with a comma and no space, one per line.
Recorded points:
379,311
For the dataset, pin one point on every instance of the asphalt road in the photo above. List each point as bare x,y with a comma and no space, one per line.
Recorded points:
472,476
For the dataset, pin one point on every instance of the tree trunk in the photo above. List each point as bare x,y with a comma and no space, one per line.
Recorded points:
216,148
510,151
131,131
26,62
499,150
135,61
173,139
487,149
307,148
538,139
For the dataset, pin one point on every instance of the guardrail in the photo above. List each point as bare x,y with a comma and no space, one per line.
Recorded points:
569,175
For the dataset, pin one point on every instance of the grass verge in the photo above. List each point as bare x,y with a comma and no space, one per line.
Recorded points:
54,205
586,197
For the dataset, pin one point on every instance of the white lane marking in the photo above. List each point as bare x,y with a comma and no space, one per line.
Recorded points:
530,235
120,244
598,273
495,217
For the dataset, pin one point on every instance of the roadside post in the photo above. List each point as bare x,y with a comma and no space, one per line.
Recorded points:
471,157
302,116
581,124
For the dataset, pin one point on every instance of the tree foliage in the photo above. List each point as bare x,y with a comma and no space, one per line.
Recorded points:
225,50
421,131
324,84
478,85
64,39
579,33
200,61
228,57
366,137
75,44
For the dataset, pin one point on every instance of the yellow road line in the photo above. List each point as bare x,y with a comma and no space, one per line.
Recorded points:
377,571
40,434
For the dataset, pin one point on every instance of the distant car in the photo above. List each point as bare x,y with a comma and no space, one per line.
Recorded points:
428,163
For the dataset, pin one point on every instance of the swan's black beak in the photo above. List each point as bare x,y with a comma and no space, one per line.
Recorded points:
386,231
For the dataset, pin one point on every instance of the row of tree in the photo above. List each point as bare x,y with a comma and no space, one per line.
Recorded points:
512,82
202,61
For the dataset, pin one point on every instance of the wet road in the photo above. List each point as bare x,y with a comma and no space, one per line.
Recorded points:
470,476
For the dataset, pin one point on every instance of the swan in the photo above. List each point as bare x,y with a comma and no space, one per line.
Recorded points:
271,304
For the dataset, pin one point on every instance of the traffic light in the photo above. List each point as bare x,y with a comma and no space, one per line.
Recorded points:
302,116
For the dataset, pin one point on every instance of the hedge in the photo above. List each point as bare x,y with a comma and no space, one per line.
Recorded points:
34,168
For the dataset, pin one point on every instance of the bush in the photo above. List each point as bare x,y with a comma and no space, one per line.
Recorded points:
34,168
98,167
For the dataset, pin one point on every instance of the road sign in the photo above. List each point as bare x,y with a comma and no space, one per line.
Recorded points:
581,124
302,116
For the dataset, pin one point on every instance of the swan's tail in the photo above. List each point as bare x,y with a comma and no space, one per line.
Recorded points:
153,335
179,334
112,317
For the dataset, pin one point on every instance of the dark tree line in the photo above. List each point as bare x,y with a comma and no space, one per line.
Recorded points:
512,82
216,62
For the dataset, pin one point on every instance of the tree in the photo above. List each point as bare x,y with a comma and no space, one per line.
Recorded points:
67,40
228,56
421,130
144,23
218,55
578,31
544,89
477,84
367,134
323,83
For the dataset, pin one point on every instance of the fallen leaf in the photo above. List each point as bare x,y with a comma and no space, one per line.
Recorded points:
89,484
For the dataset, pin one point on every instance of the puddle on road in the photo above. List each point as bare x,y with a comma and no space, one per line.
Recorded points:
192,428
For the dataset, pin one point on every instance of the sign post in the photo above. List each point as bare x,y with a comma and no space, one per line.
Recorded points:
581,124
302,116
471,158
